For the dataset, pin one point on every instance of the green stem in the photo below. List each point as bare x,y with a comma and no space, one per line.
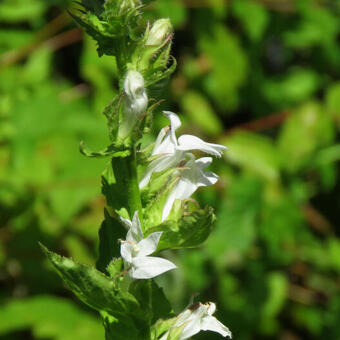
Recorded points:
125,171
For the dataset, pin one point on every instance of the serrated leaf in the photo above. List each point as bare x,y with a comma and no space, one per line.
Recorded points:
189,231
111,151
94,288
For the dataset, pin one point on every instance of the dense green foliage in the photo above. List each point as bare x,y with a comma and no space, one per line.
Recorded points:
257,76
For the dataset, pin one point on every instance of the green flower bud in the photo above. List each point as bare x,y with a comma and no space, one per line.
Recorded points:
159,32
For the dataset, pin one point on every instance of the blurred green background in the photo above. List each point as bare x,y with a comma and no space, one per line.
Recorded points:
261,77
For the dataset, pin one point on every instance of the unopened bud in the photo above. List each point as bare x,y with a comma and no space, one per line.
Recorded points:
159,32
136,101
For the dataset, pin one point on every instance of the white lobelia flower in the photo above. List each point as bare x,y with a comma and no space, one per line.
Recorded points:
136,101
198,318
170,151
191,177
135,251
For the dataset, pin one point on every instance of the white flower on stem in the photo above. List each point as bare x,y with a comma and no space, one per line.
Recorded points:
136,101
135,251
191,177
170,151
198,318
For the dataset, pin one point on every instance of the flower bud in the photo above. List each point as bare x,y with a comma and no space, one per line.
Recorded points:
159,32
137,99
136,102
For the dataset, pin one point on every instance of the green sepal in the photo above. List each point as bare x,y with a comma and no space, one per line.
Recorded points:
115,267
155,75
111,151
189,231
175,333
161,326
93,287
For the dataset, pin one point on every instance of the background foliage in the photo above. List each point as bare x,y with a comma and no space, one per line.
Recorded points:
258,76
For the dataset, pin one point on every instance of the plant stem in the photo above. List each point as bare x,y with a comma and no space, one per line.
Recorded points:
129,165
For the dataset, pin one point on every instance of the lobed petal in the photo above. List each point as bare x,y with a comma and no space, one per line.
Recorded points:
210,323
148,267
126,251
149,245
189,142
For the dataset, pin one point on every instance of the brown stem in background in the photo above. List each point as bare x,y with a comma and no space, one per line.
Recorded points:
12,57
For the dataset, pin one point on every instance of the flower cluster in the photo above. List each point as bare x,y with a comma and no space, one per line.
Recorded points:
169,152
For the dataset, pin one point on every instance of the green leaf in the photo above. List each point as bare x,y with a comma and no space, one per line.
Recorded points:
229,65
253,152
109,234
189,231
49,317
152,297
95,6
254,24
296,85
94,288
333,100
236,223
111,151
304,132
115,267
199,110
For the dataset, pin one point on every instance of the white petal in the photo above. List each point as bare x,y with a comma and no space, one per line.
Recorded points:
210,323
175,122
203,162
168,204
206,178
211,308
127,223
159,164
192,327
183,190
189,142
160,137
148,267
126,250
166,147
149,245
135,233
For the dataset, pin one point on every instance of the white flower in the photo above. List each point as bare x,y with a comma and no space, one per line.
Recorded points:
135,251
191,177
170,151
136,101
198,318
